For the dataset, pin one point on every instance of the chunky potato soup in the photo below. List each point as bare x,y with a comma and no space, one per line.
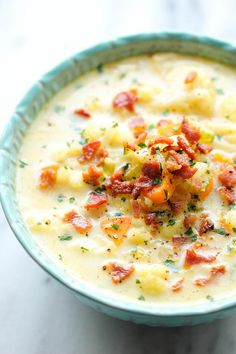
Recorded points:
127,179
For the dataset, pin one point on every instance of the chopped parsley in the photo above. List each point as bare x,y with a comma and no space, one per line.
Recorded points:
71,200
192,163
232,206
65,237
22,164
210,298
141,298
234,229
115,226
192,207
142,145
126,166
60,198
83,140
123,199
137,281
194,238
60,257
83,249
220,231
115,125
171,222
189,231
157,181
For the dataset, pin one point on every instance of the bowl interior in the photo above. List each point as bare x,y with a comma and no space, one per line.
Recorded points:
51,83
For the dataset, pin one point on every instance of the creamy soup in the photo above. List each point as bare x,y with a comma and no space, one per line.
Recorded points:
127,179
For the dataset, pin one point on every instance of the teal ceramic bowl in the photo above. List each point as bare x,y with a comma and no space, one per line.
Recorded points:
28,109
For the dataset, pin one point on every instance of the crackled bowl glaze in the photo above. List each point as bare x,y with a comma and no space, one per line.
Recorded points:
27,110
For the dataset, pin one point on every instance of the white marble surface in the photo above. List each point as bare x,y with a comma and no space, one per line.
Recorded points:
37,315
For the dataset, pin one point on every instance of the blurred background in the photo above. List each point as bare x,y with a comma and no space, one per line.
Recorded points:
37,315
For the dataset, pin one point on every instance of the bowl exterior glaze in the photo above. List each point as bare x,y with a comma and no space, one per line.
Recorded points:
28,109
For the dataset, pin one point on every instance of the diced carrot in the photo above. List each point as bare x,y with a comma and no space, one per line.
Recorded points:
116,228
202,195
48,176
163,192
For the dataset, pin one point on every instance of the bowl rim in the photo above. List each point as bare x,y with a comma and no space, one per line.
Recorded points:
207,308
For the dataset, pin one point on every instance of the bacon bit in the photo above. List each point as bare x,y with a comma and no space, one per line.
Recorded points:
126,100
228,176
48,176
178,285
141,137
215,271
152,169
120,272
192,135
192,75
80,223
176,206
204,148
228,194
181,159
96,200
161,140
192,258
184,146
118,187
149,218
185,172
205,226
136,208
163,122
89,151
201,282
189,220
180,240
82,112
137,125
153,150
130,146
144,183
92,175
102,154
117,175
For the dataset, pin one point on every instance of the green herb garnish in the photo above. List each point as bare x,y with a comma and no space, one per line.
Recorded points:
142,145
60,198
71,200
141,298
115,226
22,164
189,231
220,231
157,181
65,237
171,222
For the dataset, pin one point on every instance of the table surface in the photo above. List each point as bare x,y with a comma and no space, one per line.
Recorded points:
37,315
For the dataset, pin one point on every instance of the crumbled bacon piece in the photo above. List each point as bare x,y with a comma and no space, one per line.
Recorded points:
215,271
80,223
204,148
178,285
82,112
184,146
120,272
189,220
185,172
89,151
153,150
102,154
180,240
205,226
117,175
92,175
176,206
136,208
152,169
228,194
192,135
218,270
130,146
143,183
126,100
181,159
228,176
48,176
149,218
118,187
192,258
96,200
192,75
201,281
161,140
